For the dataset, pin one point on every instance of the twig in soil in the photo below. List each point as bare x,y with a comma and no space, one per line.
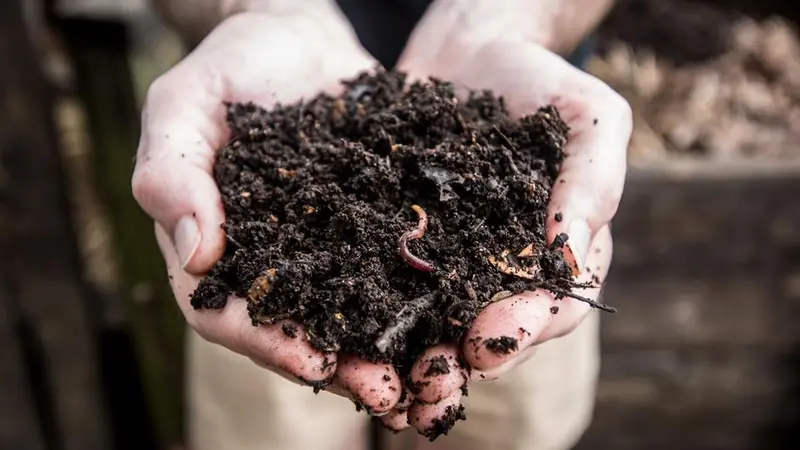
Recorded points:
510,162
233,241
406,319
256,224
566,293
461,124
505,138
501,296
416,233
269,320
471,294
480,224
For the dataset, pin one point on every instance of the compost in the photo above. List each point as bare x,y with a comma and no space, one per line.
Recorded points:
385,219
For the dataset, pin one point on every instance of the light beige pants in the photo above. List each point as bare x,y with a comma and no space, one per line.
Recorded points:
544,404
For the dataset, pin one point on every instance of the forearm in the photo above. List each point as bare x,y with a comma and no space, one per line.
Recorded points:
194,19
565,23
558,25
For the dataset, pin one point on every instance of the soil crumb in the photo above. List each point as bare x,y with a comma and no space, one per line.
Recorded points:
289,329
502,345
444,424
385,219
438,366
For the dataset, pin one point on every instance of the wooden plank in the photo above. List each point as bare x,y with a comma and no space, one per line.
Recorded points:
735,310
706,275
19,428
655,429
702,398
113,119
40,258
681,379
705,255
696,223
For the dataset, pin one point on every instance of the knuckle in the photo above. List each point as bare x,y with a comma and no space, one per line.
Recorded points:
143,185
620,108
597,200
619,104
608,194
198,326
194,324
158,89
605,241
611,102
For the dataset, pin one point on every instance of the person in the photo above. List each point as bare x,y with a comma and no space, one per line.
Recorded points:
538,397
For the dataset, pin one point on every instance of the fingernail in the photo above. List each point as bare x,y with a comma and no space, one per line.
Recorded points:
377,414
187,239
577,245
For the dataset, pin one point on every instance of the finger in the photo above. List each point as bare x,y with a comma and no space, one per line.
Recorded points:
376,387
182,127
406,400
505,329
437,374
587,192
396,420
183,121
568,313
436,419
269,344
232,328
496,372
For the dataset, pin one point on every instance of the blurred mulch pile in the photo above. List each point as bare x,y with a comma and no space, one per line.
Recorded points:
702,80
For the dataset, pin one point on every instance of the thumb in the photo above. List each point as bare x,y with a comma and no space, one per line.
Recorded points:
591,180
172,181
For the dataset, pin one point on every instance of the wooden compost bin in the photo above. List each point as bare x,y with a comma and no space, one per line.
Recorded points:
703,353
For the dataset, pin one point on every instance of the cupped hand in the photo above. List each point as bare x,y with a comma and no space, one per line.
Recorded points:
584,200
248,57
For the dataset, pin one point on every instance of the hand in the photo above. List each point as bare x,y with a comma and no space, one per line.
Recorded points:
584,198
248,57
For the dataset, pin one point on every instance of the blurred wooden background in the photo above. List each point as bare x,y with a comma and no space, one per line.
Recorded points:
704,353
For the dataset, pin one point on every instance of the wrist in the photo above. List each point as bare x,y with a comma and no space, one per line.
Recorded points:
194,20
453,31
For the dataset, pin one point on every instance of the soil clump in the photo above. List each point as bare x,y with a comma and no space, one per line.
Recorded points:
384,220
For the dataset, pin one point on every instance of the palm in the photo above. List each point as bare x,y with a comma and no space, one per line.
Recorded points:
246,58
585,196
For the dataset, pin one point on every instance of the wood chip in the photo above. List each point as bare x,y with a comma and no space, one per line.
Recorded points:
261,286
503,266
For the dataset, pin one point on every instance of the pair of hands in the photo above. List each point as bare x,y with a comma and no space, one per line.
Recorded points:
268,59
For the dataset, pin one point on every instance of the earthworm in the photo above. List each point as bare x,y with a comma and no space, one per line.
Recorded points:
416,233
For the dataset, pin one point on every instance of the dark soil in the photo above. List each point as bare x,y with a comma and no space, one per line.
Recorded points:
438,366
502,345
318,198
444,424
